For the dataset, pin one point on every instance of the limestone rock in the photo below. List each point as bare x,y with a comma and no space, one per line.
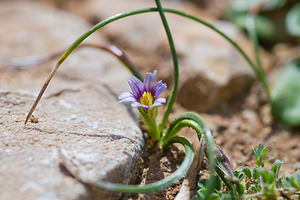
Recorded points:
213,72
79,117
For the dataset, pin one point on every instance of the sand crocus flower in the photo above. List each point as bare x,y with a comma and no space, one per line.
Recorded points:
144,94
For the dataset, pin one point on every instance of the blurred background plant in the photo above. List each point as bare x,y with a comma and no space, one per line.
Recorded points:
276,20
269,22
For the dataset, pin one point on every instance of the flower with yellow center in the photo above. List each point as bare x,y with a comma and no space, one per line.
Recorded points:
144,94
147,99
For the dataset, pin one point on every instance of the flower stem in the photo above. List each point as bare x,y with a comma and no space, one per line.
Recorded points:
150,124
172,97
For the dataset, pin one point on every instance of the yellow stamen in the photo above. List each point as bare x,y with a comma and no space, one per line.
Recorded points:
146,99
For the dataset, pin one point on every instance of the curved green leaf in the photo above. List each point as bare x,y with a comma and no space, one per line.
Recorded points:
159,185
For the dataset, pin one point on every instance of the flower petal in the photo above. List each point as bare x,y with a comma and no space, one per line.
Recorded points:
136,86
137,104
126,96
149,81
158,88
157,84
158,102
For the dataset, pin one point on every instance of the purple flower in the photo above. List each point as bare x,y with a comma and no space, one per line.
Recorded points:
144,94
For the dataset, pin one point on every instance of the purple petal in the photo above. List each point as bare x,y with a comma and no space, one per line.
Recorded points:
158,88
136,86
157,84
158,102
137,104
149,81
126,96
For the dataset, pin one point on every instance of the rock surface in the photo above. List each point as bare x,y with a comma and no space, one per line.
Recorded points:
213,72
79,117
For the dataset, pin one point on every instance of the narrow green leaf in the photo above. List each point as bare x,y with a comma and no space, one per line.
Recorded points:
276,167
253,188
293,182
268,177
247,171
202,183
240,189
227,197
218,184
236,173
270,159
213,196
158,185
279,181
297,178
255,174
286,183
264,152
241,176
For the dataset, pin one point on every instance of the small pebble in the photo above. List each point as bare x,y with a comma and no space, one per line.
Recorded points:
34,119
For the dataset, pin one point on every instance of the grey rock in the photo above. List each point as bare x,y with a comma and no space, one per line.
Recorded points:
213,71
79,118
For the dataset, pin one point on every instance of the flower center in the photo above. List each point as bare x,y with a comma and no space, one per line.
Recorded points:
146,99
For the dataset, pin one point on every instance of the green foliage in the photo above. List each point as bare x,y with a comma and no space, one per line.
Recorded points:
258,183
293,20
260,154
286,95
277,20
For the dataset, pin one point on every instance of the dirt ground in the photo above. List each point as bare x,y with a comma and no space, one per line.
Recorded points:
169,161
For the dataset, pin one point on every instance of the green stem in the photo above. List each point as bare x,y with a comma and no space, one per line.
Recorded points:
150,124
186,123
210,148
250,25
258,73
159,185
172,97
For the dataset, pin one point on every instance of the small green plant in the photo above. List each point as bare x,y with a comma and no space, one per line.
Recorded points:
144,95
252,183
